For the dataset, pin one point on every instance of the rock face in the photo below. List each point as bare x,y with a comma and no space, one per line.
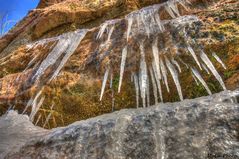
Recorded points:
75,92
15,131
201,128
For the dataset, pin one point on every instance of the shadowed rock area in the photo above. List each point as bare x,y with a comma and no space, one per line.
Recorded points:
193,129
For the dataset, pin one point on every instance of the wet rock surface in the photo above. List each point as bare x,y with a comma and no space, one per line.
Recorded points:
205,127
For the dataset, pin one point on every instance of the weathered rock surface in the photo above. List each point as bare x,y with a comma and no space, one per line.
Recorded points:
76,90
15,130
205,127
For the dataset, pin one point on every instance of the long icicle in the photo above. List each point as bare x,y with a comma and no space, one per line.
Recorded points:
136,84
129,26
199,77
32,101
47,119
122,66
164,72
195,79
190,49
173,7
174,74
156,56
52,57
148,93
104,83
76,39
169,10
35,109
209,64
38,119
144,77
159,22
110,33
158,82
176,64
219,60
146,26
205,68
154,85
102,30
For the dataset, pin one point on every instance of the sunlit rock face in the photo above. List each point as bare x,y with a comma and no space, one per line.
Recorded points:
46,3
72,61
200,128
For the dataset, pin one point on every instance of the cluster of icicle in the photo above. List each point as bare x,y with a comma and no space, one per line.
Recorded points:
146,24
64,47
142,25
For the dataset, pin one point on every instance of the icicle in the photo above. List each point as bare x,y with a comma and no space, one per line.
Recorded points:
199,77
32,101
47,119
158,78
104,83
209,64
169,10
205,68
173,6
122,66
156,56
136,84
219,60
42,42
174,74
194,56
102,30
159,22
157,72
183,62
31,62
111,80
132,77
75,42
38,119
183,4
52,57
35,108
130,22
138,21
176,64
164,72
112,100
140,83
110,33
154,85
148,93
195,79
146,26
144,77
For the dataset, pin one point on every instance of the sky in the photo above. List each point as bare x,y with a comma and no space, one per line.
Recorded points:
16,9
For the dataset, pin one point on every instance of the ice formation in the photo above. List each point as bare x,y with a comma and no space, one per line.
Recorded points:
174,74
219,60
209,64
122,66
199,77
104,83
143,27
66,46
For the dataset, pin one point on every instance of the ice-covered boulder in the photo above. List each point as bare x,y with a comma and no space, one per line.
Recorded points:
192,129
